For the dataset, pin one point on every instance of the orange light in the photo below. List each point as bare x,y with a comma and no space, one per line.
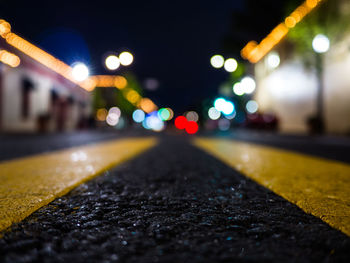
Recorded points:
290,22
147,105
311,3
5,28
9,58
254,52
38,54
120,82
101,114
132,96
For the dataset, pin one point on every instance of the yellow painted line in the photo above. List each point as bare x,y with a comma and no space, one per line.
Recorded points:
319,186
27,184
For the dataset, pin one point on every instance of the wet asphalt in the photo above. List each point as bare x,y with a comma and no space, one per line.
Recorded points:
173,203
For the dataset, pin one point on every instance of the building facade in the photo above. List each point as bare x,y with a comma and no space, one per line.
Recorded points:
35,98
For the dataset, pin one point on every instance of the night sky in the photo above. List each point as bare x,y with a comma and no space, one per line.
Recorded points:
172,41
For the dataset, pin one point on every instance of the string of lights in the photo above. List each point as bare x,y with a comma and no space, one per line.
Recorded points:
254,52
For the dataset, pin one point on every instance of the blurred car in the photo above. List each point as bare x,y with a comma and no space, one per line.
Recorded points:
266,121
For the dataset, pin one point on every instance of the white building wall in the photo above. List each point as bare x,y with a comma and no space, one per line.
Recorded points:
290,91
337,87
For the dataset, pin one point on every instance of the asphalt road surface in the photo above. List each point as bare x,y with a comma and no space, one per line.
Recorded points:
172,203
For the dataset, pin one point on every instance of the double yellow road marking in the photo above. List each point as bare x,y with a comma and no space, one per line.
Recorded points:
27,184
318,186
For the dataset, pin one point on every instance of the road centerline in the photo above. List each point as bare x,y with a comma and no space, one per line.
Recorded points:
30,183
318,186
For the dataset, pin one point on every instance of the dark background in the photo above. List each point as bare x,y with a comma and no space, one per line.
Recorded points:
172,41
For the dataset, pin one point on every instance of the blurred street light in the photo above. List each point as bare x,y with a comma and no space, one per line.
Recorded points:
273,60
217,61
80,71
252,106
112,62
248,84
213,113
138,116
230,65
126,58
320,43
238,89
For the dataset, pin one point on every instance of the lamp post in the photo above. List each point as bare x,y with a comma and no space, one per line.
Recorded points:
320,45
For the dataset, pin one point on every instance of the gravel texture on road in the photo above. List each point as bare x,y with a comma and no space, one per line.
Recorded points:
173,203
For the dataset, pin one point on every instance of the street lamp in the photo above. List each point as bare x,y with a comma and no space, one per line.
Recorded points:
80,71
112,62
230,65
126,58
217,61
320,45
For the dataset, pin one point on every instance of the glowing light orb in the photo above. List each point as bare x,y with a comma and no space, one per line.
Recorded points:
213,113
80,71
101,114
252,106
112,62
217,61
191,127
138,116
219,104
112,119
238,89
115,110
230,65
164,114
224,124
154,123
228,108
126,58
192,116
320,43
180,122
248,85
273,60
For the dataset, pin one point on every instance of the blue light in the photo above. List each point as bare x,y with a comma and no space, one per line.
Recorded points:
138,116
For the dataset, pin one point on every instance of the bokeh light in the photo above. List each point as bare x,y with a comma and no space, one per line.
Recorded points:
192,116
180,122
112,119
219,104
138,116
248,84
213,113
171,113
126,58
228,108
224,124
115,110
164,114
120,82
191,127
153,122
252,106
112,62
101,114
273,60
217,61
238,89
231,116
225,106
230,65
80,71
320,43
